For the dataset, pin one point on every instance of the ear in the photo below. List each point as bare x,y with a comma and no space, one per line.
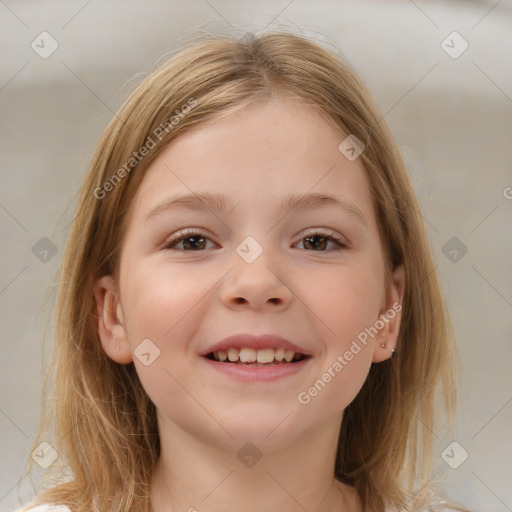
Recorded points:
111,330
390,315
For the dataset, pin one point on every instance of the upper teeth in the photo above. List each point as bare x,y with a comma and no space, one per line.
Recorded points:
250,355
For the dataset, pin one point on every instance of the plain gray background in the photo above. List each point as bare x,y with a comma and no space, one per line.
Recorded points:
451,115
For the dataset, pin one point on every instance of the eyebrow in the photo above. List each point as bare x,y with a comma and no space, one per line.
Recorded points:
221,203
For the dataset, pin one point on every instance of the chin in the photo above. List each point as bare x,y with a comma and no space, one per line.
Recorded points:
266,430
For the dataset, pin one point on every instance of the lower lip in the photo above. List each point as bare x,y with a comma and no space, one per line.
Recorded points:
258,373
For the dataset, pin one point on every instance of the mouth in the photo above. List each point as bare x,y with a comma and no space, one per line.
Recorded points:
249,357
257,358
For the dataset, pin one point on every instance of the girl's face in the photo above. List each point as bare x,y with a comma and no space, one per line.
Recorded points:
191,276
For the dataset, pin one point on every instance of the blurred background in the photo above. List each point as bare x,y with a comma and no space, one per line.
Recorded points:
441,74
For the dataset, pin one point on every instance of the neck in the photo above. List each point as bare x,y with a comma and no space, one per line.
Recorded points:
205,474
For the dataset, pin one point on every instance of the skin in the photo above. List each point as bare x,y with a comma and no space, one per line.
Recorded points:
184,300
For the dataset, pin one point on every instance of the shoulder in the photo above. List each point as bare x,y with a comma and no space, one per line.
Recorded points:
45,508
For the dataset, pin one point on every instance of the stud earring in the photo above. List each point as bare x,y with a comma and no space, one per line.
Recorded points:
383,345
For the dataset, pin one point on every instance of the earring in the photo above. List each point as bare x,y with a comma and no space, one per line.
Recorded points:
383,345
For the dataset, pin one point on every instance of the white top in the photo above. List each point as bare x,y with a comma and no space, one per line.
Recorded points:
63,508
47,508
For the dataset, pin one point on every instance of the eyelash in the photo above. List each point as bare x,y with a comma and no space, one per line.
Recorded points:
182,234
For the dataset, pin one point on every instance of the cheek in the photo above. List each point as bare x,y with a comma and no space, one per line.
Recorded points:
166,305
345,302
156,301
345,299
165,308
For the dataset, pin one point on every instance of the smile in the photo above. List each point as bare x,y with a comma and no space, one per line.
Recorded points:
253,357
244,364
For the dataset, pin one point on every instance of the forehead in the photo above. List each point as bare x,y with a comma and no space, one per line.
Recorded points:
257,156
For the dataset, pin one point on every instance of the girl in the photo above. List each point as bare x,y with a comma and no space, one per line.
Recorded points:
248,316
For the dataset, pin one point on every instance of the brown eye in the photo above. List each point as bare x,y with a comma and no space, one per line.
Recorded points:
194,242
318,241
190,240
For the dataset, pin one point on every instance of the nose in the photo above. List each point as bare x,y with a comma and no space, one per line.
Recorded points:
257,284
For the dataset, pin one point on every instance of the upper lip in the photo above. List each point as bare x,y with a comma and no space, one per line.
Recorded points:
256,342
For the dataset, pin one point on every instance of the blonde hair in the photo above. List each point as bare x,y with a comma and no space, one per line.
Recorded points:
105,424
